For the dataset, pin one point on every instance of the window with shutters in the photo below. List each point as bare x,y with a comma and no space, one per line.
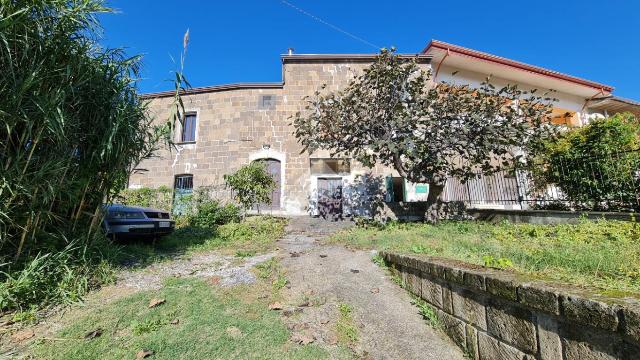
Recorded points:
189,124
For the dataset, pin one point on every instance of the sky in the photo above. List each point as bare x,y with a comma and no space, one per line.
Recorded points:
235,41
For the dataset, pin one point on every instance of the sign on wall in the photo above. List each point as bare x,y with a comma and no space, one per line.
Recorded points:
414,192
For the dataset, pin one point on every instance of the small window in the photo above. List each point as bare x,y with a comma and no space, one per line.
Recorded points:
267,101
330,167
184,182
189,128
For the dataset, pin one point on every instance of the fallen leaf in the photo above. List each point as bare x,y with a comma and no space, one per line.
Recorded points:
214,280
234,332
155,302
302,339
93,334
275,306
23,335
175,322
331,339
144,354
375,290
355,271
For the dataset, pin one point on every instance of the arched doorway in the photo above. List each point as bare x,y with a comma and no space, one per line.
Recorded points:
273,167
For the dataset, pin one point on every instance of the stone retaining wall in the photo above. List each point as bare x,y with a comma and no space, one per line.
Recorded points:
496,314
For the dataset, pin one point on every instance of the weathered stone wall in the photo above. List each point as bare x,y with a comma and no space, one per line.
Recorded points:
234,129
495,314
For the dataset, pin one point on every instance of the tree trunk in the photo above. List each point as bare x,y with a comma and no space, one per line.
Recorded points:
433,212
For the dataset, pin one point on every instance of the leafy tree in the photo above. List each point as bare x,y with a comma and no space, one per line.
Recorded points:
395,115
595,166
251,185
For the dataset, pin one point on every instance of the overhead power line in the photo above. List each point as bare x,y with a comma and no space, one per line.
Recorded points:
331,25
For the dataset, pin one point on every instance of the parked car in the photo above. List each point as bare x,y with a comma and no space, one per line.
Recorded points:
130,221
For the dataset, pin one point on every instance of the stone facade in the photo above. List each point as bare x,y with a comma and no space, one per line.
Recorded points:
234,127
499,315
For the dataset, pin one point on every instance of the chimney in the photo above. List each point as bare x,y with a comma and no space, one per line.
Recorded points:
290,51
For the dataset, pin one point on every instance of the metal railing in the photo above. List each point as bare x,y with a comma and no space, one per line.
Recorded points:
604,183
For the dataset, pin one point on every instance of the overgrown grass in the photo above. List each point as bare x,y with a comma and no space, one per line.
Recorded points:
61,277
252,236
204,313
64,277
604,255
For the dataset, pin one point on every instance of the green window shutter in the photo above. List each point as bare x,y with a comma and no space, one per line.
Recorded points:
389,184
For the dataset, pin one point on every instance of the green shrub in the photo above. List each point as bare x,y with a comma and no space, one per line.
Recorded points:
157,198
595,165
251,185
211,213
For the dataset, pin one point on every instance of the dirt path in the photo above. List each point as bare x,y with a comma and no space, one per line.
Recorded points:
323,277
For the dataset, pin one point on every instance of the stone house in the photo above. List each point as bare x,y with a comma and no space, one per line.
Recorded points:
228,126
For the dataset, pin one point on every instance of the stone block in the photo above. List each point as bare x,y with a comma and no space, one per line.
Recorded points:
469,307
472,342
493,349
512,325
590,312
550,346
453,327
631,326
453,274
414,282
437,270
539,297
404,276
502,286
474,280
431,292
447,301
424,266
585,343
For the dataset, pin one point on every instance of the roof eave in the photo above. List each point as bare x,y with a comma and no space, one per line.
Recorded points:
515,64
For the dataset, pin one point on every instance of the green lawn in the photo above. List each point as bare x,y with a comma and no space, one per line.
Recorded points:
603,254
213,323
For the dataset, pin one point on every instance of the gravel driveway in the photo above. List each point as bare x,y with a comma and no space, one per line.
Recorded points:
322,277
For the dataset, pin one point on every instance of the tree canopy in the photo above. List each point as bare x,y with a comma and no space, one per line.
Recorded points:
394,114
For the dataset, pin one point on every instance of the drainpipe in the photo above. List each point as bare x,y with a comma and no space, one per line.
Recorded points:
440,64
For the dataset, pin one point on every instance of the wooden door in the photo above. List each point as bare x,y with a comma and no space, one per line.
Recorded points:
330,198
274,168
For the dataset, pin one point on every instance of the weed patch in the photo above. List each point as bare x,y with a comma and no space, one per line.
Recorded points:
346,328
427,311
